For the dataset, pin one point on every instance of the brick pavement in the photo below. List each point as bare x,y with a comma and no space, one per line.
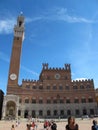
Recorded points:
83,125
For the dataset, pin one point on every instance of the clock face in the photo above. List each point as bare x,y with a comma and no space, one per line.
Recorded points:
57,76
13,76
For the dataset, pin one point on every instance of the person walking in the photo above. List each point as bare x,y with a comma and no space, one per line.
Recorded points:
71,124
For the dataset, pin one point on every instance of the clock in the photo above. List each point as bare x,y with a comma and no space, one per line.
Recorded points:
57,76
13,76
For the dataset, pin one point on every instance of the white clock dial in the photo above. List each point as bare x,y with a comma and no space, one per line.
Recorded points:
13,76
57,76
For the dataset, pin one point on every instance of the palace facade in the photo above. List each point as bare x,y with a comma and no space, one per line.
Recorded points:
53,95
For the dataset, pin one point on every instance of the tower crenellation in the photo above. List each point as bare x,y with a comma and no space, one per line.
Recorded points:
67,66
28,80
19,27
45,65
83,81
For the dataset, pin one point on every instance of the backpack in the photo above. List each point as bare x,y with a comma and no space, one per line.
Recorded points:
94,127
54,126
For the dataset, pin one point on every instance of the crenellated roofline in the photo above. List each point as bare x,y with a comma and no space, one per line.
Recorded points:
82,81
30,81
46,67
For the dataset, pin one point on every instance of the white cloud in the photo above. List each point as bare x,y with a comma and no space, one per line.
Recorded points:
28,70
60,14
34,19
63,15
80,79
6,25
4,57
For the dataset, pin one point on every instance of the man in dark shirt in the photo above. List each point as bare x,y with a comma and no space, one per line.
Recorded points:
53,126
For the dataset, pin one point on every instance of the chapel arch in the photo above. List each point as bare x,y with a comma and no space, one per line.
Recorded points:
11,109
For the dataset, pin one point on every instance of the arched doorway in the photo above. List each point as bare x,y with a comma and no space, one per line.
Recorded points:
11,109
26,114
33,114
84,111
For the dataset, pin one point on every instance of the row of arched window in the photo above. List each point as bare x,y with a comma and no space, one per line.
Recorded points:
55,100
54,113
60,87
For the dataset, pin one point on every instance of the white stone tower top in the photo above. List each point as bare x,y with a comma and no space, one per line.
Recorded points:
19,27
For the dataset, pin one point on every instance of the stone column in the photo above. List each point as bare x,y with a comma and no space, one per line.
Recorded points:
22,113
3,111
16,112
37,113
30,113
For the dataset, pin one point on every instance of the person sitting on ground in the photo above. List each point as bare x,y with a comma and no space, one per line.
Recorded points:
71,124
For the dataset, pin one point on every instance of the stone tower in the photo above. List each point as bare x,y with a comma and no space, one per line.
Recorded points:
15,56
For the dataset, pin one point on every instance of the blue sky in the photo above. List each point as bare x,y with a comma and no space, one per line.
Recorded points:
56,32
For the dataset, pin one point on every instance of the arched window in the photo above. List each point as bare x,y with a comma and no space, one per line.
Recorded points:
26,100
76,100
67,87
33,114
34,87
88,86
48,101
41,87
84,111
91,111
20,100
60,87
83,100
75,87
68,112
48,113
20,23
61,112
40,100
25,113
77,112
81,87
55,101
55,113
90,99
67,100
40,113
28,86
54,87
34,100
48,87
61,100
19,112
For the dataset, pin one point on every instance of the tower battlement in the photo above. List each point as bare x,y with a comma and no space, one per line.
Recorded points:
30,81
83,81
46,67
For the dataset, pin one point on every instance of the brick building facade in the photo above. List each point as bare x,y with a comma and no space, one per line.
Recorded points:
53,95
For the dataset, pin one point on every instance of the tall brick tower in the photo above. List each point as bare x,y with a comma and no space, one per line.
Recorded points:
15,56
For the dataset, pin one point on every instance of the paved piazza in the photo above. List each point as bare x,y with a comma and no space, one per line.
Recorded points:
84,124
